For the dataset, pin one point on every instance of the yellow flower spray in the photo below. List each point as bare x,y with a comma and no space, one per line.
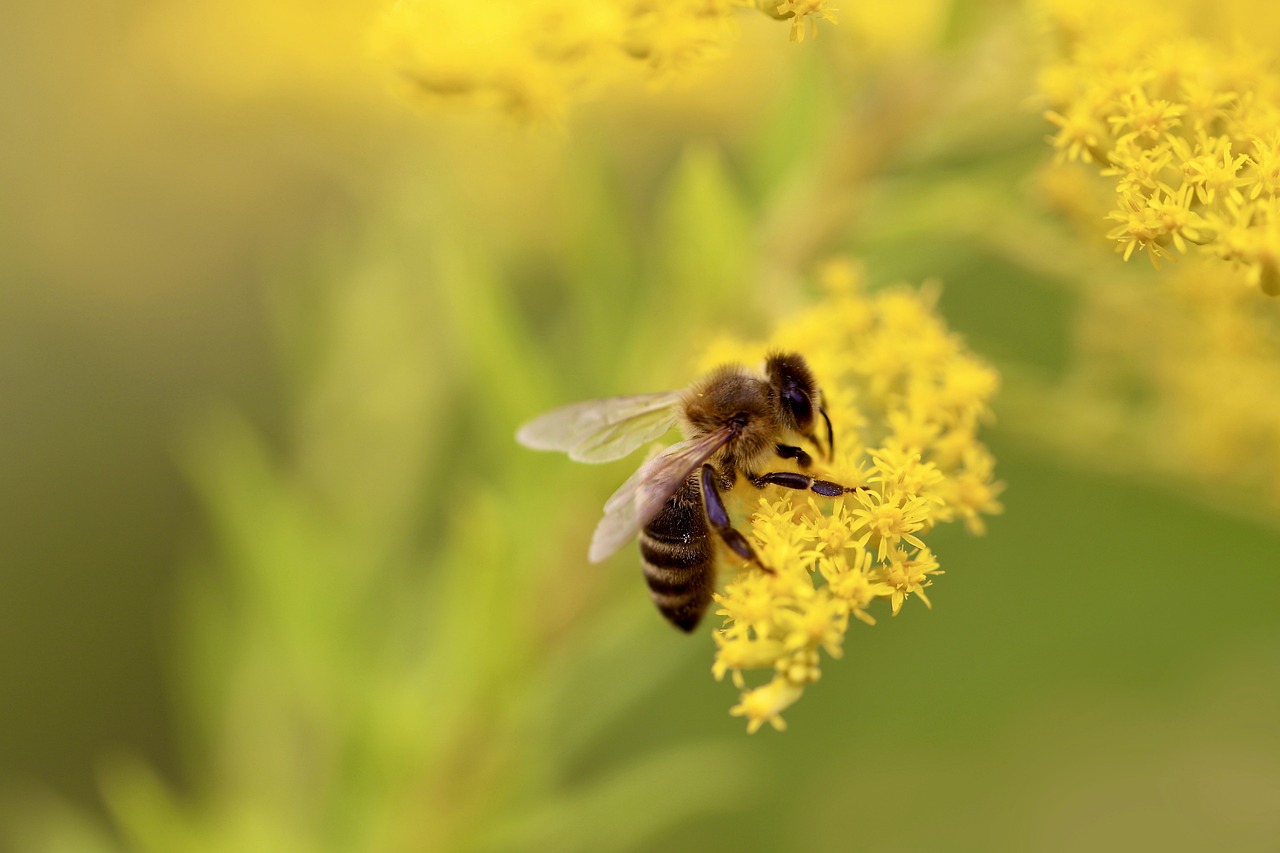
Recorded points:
1184,120
906,399
1178,106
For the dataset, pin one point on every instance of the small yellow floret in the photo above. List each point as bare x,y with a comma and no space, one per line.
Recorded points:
766,704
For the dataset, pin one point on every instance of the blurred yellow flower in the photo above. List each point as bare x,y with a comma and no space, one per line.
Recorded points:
533,59
766,704
906,399
1184,115
1185,390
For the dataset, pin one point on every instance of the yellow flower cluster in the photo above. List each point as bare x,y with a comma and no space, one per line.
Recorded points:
1186,123
533,58
906,399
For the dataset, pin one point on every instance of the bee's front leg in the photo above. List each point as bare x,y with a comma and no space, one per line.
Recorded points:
801,482
788,451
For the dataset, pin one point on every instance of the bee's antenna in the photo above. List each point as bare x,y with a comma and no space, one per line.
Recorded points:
831,435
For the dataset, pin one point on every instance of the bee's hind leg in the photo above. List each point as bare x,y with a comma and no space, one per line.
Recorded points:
718,517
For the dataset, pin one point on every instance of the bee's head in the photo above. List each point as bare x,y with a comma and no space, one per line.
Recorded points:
797,397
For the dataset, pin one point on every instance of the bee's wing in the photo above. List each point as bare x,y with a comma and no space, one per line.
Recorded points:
602,430
639,499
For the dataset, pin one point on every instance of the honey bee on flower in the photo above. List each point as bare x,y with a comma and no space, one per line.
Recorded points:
893,435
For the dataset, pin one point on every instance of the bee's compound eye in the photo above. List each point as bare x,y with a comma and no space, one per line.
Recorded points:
799,405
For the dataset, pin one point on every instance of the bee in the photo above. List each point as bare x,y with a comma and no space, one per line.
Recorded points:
734,421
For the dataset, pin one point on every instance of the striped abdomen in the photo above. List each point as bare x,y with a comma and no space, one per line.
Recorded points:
679,558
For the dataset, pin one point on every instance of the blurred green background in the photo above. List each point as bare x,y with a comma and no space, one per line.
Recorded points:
275,576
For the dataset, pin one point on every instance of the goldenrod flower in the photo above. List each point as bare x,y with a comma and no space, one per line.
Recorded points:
906,399
908,572
1184,120
534,58
766,704
890,517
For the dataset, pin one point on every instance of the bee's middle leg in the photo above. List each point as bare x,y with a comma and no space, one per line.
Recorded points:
718,517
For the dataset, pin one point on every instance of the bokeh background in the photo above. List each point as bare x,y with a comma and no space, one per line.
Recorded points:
274,575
